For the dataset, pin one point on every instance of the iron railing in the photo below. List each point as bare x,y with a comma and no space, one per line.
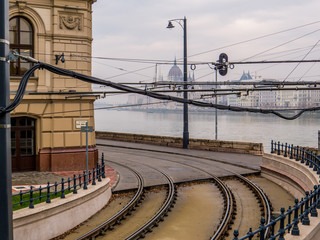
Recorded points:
289,220
60,188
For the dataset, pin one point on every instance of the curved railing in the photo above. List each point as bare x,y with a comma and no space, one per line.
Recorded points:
59,189
289,220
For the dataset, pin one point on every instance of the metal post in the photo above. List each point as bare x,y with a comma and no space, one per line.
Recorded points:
185,87
318,142
87,147
295,230
216,102
281,228
306,220
6,226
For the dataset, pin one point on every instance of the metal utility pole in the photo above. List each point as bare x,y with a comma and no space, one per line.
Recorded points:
216,102
185,79
6,227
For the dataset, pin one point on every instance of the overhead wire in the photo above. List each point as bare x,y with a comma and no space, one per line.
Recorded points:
256,38
300,62
282,44
93,80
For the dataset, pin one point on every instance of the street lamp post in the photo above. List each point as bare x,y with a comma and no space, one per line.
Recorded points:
185,78
216,102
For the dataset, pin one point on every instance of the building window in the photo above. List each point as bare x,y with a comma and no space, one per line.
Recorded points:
21,40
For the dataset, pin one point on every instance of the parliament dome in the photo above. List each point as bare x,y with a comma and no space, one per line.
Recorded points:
175,73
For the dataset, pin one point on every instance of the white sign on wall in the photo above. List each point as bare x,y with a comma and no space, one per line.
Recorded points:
80,123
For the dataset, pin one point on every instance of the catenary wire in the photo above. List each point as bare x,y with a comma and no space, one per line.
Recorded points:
21,90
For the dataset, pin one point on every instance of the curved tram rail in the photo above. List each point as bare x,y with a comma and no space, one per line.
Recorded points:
108,224
154,221
263,200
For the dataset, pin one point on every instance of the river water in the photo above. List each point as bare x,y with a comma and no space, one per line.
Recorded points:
248,127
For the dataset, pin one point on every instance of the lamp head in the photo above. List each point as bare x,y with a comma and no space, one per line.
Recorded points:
170,25
62,58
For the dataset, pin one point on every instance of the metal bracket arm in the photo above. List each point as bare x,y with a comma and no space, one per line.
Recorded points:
5,41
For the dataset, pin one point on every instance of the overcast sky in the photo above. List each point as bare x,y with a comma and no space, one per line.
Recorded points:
137,29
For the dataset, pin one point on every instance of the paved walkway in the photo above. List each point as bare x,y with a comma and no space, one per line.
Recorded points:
23,180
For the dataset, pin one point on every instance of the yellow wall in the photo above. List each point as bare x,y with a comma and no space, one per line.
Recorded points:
59,27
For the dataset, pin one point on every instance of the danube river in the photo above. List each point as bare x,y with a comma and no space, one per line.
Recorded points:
246,127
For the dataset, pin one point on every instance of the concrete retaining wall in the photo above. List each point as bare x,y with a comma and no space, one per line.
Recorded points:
293,176
200,144
296,178
47,221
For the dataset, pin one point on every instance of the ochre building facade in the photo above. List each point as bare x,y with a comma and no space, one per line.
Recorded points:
46,127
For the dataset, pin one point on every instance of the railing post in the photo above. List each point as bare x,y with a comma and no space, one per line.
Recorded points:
94,177
103,169
99,173
55,188
315,168
235,234
289,217
62,188
48,194
302,155
271,229
295,229
314,212
281,229
278,148
250,234
69,185
272,146
74,184
40,193
262,228
80,180
84,181
301,207
291,154
306,220
285,150
31,198
318,199
297,153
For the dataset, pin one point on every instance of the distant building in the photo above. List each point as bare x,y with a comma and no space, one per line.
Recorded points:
175,74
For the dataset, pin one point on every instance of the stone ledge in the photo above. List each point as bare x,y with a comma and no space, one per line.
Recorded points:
197,144
47,221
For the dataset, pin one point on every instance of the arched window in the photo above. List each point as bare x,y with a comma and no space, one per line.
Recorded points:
21,40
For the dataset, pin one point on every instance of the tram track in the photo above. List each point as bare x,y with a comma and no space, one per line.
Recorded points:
252,204
110,223
230,204
127,209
